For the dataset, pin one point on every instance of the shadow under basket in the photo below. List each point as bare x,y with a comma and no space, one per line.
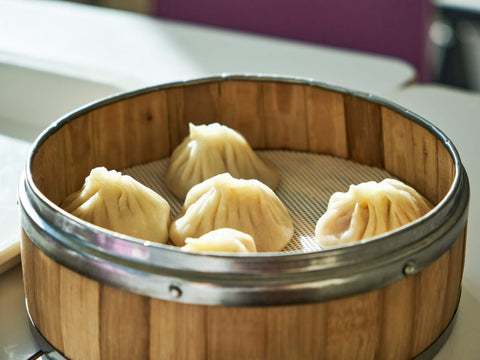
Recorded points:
96,294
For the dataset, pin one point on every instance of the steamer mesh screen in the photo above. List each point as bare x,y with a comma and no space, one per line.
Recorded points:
307,182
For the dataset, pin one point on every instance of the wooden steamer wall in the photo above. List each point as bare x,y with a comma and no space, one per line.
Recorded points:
85,319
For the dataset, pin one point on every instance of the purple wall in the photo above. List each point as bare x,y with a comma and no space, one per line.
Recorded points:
392,27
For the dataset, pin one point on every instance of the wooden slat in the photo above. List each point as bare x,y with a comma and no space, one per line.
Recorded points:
198,104
398,145
454,279
79,152
148,137
397,320
177,127
178,331
285,117
236,333
79,309
28,271
354,326
446,171
46,277
48,168
124,324
431,292
296,332
242,109
364,131
425,164
109,135
326,122
410,153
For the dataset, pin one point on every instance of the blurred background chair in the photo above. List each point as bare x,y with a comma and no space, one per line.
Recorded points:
455,33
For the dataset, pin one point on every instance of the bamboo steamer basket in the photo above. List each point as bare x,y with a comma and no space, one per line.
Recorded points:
96,294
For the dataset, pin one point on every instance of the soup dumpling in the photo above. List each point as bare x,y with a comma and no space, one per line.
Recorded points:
120,203
214,149
245,205
369,209
222,240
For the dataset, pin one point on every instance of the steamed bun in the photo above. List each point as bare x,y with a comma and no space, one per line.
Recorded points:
214,149
120,203
367,210
222,240
245,205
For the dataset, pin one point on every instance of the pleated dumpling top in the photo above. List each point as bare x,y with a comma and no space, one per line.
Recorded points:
369,209
214,149
120,203
222,240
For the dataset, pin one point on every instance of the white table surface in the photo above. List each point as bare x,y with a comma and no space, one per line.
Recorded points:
98,52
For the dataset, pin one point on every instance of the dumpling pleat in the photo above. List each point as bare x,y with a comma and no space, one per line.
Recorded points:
371,209
211,150
120,203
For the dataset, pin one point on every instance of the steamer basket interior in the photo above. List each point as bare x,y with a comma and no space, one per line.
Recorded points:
120,133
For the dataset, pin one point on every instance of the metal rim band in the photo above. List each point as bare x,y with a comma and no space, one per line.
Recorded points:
165,272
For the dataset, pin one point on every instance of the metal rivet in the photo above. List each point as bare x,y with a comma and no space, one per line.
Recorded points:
409,268
175,291
425,151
